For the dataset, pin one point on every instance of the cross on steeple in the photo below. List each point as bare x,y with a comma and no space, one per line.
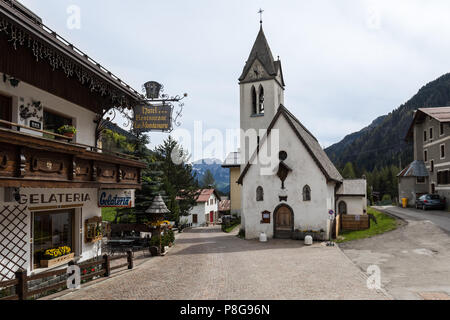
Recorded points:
260,15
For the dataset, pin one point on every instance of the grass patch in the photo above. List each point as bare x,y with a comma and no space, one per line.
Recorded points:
384,224
108,214
230,228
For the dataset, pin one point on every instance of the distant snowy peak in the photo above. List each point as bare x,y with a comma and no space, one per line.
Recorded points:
208,161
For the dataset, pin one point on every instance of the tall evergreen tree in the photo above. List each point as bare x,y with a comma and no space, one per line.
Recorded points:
349,171
208,180
178,180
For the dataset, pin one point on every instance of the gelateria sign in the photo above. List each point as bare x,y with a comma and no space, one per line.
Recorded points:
112,198
153,118
54,198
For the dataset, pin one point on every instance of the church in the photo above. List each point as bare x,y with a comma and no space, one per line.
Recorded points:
300,187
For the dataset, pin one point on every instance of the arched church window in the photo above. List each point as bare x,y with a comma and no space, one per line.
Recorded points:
306,193
342,207
259,194
261,100
254,101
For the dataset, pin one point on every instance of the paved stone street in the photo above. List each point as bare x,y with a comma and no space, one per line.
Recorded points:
438,217
209,264
414,259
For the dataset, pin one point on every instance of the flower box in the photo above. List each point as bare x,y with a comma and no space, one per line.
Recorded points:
57,261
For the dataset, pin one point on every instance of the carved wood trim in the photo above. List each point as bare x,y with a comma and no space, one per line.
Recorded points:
79,172
22,167
120,174
94,171
51,165
3,161
106,173
72,169
129,176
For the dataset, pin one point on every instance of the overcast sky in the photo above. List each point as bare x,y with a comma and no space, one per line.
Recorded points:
345,62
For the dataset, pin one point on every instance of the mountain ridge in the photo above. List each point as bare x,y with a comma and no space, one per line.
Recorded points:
382,143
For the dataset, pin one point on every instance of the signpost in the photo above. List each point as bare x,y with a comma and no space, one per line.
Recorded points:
331,218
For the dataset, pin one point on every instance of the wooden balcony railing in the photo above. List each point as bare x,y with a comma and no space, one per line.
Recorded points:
28,160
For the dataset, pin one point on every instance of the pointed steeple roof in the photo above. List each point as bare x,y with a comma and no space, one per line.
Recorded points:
260,51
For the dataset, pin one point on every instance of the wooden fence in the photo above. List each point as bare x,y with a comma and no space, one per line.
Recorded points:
354,222
100,267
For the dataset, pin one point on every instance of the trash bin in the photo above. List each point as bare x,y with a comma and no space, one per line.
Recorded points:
404,202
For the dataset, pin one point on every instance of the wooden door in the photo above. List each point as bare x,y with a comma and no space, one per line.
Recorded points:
211,216
5,110
283,222
194,218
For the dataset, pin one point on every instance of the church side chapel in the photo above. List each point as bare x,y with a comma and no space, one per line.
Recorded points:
305,185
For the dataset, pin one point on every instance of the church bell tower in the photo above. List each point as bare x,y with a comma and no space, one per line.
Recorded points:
261,92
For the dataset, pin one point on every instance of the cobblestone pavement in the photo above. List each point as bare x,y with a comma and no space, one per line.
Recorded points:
206,263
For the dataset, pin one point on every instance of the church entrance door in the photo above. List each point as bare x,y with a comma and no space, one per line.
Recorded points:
283,222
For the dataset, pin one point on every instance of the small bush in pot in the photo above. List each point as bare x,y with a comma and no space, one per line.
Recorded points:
67,130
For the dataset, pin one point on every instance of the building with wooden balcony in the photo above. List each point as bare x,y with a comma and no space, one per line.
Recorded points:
52,187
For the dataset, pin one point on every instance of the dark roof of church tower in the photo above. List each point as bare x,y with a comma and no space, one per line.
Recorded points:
261,51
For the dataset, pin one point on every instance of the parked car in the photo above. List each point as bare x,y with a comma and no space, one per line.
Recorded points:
430,201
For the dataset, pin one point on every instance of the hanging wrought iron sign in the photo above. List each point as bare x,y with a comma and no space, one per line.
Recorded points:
152,118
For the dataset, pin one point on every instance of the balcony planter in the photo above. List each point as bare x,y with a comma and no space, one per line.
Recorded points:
67,131
57,261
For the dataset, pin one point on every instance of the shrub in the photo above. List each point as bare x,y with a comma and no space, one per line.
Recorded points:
386,197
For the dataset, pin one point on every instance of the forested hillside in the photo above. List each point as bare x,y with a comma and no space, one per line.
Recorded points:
382,143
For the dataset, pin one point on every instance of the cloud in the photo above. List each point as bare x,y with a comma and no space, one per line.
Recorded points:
345,62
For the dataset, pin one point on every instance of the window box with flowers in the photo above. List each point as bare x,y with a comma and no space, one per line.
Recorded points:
56,257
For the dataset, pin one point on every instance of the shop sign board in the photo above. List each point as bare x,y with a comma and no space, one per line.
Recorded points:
115,198
152,118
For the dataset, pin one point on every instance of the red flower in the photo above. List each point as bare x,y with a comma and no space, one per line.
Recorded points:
92,269
84,271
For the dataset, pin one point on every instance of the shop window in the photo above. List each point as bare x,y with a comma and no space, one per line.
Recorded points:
51,230
53,121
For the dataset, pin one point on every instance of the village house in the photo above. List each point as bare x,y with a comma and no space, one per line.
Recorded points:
430,170
206,210
304,187
53,185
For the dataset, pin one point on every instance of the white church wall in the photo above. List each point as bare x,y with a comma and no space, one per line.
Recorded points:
355,205
307,214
